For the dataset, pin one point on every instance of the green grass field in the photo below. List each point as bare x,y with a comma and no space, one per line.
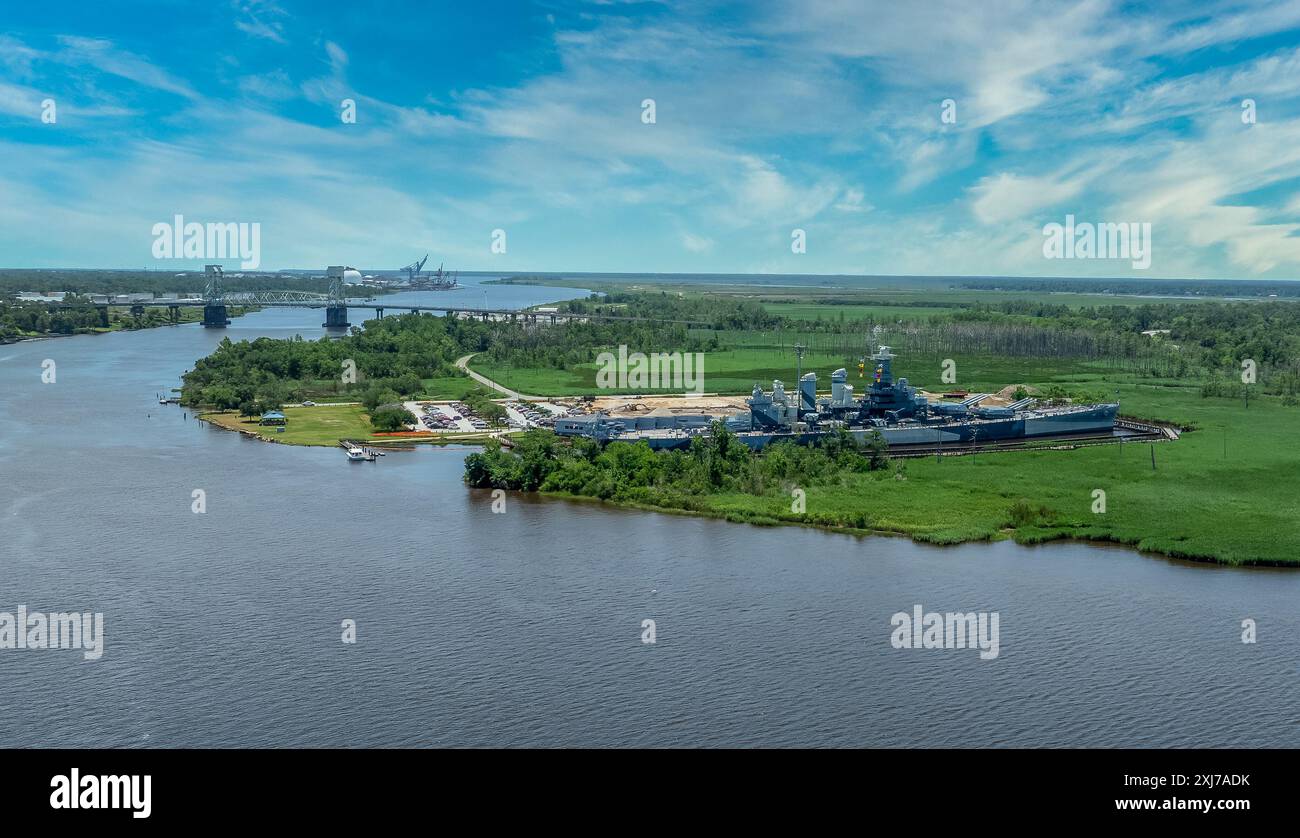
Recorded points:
901,297
444,388
451,387
861,292
325,425
759,358
322,425
732,371
837,313
1227,491
1196,502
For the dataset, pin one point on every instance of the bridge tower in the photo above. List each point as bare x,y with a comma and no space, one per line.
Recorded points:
336,308
214,302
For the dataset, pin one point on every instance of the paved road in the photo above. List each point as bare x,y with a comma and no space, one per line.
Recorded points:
463,363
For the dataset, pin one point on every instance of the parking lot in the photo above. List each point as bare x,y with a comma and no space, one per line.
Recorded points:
456,417
526,415
452,417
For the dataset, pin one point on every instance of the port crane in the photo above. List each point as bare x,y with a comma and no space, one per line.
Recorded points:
413,269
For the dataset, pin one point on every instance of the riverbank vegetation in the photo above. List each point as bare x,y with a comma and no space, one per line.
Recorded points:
410,356
540,461
992,344
1228,492
16,280
30,320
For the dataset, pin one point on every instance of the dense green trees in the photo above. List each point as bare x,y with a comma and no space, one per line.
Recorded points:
714,312
27,319
390,358
373,397
1164,287
20,319
391,418
482,405
14,280
632,471
1205,340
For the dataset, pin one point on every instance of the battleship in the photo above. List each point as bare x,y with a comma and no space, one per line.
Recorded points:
892,408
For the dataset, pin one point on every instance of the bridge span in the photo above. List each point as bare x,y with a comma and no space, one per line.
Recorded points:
216,300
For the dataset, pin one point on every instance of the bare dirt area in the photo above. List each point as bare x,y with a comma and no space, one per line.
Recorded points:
723,405
643,405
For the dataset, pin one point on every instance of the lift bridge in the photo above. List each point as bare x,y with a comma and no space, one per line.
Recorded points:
215,299
336,304
216,302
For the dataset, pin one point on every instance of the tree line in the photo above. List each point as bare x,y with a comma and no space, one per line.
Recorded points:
394,354
633,472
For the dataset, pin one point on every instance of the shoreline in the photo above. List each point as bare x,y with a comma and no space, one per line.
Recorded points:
757,519
234,312
1201,561
393,443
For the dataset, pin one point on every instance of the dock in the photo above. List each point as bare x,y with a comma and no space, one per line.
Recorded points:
372,454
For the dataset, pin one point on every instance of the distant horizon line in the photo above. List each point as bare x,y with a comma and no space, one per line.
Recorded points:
551,274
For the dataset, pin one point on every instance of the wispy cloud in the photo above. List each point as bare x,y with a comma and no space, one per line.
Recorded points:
825,117
104,56
260,19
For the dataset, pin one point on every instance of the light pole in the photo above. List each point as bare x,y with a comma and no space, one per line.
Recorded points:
799,349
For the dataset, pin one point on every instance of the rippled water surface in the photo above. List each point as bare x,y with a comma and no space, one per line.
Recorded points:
524,628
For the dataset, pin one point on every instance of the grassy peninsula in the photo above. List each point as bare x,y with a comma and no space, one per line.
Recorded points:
1228,491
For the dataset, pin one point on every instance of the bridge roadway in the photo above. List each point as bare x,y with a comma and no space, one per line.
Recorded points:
381,307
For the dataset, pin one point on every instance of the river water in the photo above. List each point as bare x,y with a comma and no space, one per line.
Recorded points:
525,628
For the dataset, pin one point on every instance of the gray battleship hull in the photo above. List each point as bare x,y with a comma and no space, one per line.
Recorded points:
1098,418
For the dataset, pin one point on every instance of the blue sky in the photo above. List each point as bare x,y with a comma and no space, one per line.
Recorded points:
823,116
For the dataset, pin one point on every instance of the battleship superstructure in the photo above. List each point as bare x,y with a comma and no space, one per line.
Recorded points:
893,408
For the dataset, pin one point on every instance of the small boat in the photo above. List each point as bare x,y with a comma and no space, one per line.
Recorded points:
357,455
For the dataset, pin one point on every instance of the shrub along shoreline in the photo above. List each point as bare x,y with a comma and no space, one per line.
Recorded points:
1029,496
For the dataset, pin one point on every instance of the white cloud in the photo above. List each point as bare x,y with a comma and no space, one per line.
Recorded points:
1007,197
790,120
338,57
696,244
260,19
273,85
852,200
104,56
